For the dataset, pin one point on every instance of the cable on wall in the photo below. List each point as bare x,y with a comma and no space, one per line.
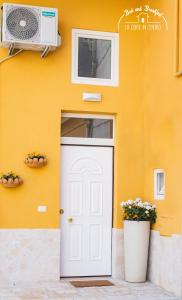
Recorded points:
177,71
10,56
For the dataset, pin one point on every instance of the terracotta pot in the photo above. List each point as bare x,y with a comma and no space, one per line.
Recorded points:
35,162
10,183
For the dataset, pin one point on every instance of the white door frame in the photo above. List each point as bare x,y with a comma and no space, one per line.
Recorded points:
73,141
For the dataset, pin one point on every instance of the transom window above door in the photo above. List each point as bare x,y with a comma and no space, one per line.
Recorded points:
87,129
95,57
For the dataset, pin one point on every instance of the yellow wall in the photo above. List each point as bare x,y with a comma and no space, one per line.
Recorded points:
33,93
147,105
162,93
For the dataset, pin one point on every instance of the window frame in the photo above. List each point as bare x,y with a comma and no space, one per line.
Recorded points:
114,38
157,194
88,141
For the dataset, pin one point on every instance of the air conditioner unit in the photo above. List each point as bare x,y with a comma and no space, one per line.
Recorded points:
29,27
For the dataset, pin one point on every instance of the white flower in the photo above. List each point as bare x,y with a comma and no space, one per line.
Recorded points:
122,204
148,207
138,199
129,202
147,203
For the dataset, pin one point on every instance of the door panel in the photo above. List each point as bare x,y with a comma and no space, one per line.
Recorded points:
86,197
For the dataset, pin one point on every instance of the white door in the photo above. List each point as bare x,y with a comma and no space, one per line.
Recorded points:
86,197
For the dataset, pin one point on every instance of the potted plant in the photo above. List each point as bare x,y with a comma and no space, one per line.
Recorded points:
35,160
138,216
10,180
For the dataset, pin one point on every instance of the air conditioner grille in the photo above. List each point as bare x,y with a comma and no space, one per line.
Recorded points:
22,23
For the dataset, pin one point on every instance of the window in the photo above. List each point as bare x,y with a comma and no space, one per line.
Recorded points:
159,184
95,57
87,129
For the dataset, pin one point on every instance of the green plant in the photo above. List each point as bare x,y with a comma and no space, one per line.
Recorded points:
9,175
136,210
10,179
35,155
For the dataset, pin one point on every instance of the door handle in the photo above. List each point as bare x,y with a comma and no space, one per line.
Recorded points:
70,220
61,211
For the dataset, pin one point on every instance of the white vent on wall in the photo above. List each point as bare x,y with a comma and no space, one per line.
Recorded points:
30,27
159,184
92,97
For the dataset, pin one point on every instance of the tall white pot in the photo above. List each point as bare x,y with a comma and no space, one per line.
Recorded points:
136,245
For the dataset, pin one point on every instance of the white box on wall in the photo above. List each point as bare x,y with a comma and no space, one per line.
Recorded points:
92,97
159,184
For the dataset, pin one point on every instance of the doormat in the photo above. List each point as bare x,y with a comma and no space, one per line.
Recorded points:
91,283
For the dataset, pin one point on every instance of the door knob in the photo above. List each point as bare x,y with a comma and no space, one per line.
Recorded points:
61,211
70,220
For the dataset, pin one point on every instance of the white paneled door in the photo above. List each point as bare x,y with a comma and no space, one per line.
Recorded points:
86,198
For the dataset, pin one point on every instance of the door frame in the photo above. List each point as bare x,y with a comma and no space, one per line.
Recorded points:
93,142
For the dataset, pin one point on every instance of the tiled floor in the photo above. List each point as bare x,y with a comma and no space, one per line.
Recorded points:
64,290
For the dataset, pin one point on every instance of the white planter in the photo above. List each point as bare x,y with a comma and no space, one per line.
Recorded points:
136,245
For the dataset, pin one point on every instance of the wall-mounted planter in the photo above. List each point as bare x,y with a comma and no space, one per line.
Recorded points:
10,180
35,160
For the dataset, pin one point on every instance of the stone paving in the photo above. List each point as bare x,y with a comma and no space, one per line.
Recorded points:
64,290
